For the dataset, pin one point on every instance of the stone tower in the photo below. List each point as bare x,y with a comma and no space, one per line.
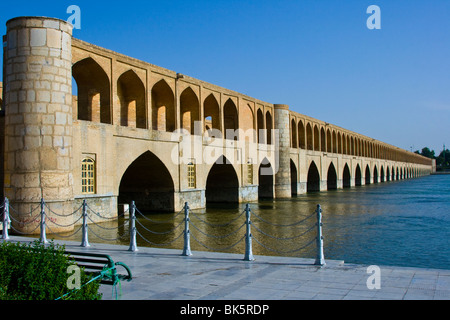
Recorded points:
283,175
38,121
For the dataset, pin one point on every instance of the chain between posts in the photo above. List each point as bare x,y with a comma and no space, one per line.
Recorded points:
133,231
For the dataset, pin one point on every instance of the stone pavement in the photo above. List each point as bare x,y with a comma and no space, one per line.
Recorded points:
163,274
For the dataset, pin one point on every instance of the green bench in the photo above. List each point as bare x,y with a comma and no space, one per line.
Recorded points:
101,265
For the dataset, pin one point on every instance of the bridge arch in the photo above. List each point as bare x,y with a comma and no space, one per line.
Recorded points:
367,174
316,138
301,135
230,120
265,180
388,174
382,174
294,143
331,177
163,107
94,91
131,94
222,183
269,127
358,176
189,110
294,179
375,174
346,178
211,113
313,182
148,182
309,137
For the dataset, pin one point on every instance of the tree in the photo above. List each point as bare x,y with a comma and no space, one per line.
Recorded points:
444,158
426,152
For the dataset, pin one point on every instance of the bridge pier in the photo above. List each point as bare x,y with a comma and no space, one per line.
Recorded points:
283,175
38,120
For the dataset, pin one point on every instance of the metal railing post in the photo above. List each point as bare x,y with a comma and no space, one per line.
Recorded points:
248,236
6,220
320,258
85,240
43,237
187,238
133,245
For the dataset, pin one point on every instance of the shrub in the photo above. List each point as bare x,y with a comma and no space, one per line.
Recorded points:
35,271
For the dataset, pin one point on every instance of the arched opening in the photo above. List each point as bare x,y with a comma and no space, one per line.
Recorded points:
316,139
339,141
335,148
346,177
163,107
309,136
331,177
93,89
375,174
148,182
265,180
322,140
329,141
189,110
301,135
388,174
260,126
313,183
367,174
382,174
398,175
131,92
211,113
293,179
358,177
294,143
222,184
230,120
269,127
247,123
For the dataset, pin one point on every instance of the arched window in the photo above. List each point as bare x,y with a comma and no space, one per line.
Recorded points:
88,176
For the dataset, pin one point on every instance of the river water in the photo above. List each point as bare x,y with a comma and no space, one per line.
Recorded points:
400,223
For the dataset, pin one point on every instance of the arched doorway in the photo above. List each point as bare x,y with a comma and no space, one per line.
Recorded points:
313,183
222,184
148,182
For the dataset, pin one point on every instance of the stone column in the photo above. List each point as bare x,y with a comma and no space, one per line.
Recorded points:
283,175
38,121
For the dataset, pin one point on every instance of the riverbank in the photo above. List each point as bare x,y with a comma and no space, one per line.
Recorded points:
163,274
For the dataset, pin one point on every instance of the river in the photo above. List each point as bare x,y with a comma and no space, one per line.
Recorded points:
400,223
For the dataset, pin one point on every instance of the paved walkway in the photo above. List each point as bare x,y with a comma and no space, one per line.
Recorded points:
163,274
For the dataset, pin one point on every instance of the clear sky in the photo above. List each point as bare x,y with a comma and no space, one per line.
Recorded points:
317,56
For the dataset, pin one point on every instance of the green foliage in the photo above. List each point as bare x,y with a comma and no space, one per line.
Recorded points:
36,271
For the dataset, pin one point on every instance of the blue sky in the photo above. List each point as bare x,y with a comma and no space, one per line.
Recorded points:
318,56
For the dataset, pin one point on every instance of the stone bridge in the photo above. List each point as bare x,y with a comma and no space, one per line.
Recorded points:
84,122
